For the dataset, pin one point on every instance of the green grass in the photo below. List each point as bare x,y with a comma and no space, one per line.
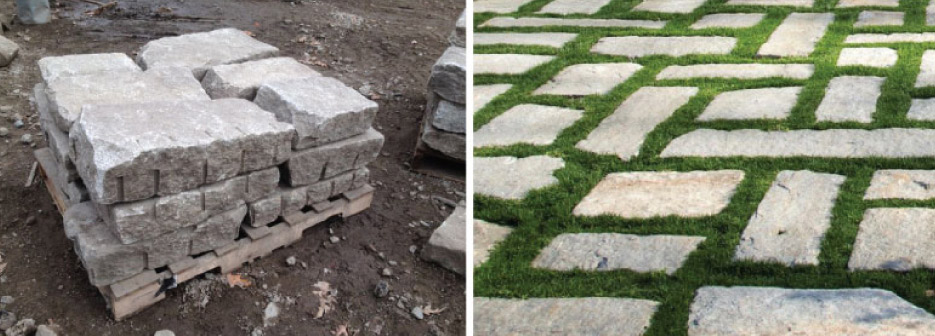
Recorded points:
547,213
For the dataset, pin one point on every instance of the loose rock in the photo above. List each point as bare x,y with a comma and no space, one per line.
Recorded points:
417,312
24,327
382,289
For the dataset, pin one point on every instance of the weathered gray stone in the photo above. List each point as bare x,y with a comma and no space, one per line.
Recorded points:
498,6
921,109
219,196
486,237
67,95
512,178
54,67
927,72
895,239
322,109
871,57
104,257
639,46
218,231
168,248
555,40
265,210
728,20
449,75
791,220
867,3
563,316
310,165
797,35
891,38
57,139
294,199
565,7
449,117
659,194
901,184
613,251
793,3
623,132
741,311
242,80
879,18
508,64
459,35
739,71
24,327
448,244
850,98
588,79
74,191
484,94
766,103
527,124
199,51
323,190
264,182
361,178
832,143
669,6
451,145
121,151
503,21
8,51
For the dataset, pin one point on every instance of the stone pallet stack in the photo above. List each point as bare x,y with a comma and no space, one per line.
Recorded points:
443,126
206,139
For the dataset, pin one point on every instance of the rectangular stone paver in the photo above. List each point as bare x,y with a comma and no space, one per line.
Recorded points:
512,178
792,3
930,13
555,40
75,65
871,57
508,64
921,109
573,6
901,184
623,132
791,220
639,46
243,79
927,72
498,6
528,124
739,71
588,79
669,6
503,21
199,51
613,251
832,143
797,35
879,18
868,3
850,98
562,316
894,239
890,38
728,20
486,237
483,94
659,194
767,103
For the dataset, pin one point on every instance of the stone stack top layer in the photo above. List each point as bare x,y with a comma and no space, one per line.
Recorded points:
75,65
243,79
199,51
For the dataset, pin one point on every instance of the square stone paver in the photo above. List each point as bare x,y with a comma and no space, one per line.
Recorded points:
486,237
927,72
483,94
922,109
588,79
527,124
639,46
871,57
729,20
894,239
508,64
767,103
879,18
613,251
797,35
850,98
508,177
554,40
901,184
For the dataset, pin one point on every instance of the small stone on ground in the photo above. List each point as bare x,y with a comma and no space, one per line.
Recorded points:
728,20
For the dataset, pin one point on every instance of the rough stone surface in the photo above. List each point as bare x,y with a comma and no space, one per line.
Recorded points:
669,6
8,51
555,40
565,7
922,109
54,67
242,80
767,103
265,210
459,34
450,117
728,20
894,239
797,35
623,132
218,230
927,73
850,98
791,220
321,109
199,51
448,244
508,64
739,71
546,22
122,151
449,75
103,256
56,138
739,311
512,178
451,145
639,46
310,165
891,38
24,327
498,6
486,237
484,94
563,316
67,95
588,79
74,192
868,3
526,124
871,57
901,184
659,194
878,18
792,3
834,143
613,251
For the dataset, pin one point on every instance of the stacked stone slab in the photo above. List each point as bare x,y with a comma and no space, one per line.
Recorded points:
443,127
186,156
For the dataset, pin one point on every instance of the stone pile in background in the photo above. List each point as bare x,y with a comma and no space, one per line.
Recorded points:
443,126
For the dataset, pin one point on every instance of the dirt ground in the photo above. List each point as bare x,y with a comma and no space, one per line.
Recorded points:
385,46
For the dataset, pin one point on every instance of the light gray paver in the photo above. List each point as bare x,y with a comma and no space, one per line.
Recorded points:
199,51
902,184
742,311
498,6
503,21
890,38
791,220
573,6
767,103
313,164
243,79
740,71
449,74
922,109
639,46
623,132
528,124
871,57
793,3
669,6
448,244
659,194
867,3
879,18
850,98
75,65
57,140
832,143
483,94
797,35
555,40
927,72
729,20
588,79
894,239
512,178
613,251
508,64
486,237
930,13
562,316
